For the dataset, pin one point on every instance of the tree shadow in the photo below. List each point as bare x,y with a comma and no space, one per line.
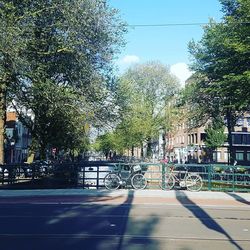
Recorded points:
77,226
238,198
203,216
129,201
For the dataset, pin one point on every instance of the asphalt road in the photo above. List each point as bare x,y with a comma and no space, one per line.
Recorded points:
118,221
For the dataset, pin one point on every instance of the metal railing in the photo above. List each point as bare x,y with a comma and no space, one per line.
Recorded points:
89,175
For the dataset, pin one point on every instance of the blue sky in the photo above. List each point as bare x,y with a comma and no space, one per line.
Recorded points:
165,44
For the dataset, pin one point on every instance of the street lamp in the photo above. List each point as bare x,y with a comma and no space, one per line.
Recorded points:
12,146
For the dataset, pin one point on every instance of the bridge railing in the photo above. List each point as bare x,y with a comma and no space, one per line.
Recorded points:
90,174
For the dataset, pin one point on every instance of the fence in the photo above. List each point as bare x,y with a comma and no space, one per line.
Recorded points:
91,175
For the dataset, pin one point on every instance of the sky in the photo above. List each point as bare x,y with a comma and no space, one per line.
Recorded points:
168,44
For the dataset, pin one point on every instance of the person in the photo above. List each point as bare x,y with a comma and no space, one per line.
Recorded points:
165,160
175,160
183,160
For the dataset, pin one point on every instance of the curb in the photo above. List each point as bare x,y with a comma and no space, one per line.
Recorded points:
135,193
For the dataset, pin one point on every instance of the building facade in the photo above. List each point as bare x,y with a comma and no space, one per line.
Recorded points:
17,140
187,145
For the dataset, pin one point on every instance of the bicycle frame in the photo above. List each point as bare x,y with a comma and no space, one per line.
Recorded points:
179,179
191,181
133,176
125,180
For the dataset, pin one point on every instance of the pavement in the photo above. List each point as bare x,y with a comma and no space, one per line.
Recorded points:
123,219
123,196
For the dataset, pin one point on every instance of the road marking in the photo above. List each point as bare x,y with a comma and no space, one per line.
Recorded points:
134,236
120,216
143,205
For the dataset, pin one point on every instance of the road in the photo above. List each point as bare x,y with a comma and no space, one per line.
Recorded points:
79,219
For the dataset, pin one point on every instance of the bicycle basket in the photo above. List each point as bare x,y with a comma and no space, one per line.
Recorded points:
136,168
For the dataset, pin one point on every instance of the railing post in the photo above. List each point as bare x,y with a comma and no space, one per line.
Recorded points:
33,173
83,176
97,177
233,179
2,174
209,177
163,176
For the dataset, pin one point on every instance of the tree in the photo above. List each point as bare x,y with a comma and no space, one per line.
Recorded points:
61,47
221,62
215,136
105,143
143,93
11,43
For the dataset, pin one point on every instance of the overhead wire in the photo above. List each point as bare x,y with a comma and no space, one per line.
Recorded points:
166,24
175,24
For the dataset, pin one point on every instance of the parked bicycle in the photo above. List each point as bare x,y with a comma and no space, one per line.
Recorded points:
192,181
114,180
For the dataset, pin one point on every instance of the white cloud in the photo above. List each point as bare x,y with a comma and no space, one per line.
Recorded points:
129,59
182,71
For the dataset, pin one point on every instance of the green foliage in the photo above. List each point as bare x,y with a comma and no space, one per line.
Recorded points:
105,143
56,61
221,63
218,169
142,96
215,136
222,57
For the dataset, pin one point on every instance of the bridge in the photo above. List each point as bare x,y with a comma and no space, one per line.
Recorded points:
90,175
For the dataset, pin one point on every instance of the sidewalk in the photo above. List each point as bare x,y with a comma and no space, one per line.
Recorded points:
206,198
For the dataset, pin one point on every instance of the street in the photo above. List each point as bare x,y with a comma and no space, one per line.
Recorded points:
124,220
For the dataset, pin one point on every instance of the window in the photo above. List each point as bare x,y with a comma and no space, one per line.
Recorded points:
241,139
237,139
248,121
246,139
240,121
248,155
239,155
218,155
225,156
192,138
203,136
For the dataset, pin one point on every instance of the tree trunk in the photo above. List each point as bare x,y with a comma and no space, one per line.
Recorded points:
142,154
2,119
164,145
149,148
43,148
72,155
230,129
1,140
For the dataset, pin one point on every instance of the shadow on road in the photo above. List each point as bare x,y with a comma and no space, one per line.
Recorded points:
238,198
85,224
204,217
124,222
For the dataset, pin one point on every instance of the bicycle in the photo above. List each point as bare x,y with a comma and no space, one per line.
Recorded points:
192,181
114,180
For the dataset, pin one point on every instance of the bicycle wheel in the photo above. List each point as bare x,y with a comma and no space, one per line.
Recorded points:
194,182
111,181
169,182
138,181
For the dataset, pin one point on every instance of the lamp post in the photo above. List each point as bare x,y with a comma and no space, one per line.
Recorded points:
12,147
